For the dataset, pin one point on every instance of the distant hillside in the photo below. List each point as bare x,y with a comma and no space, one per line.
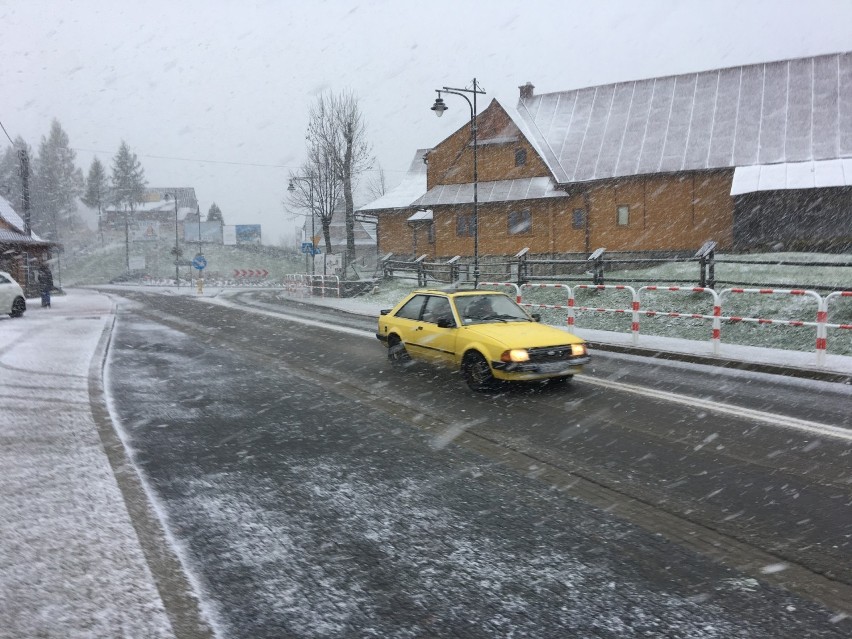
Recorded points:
102,265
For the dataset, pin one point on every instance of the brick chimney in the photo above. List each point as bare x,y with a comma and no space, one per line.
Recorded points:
526,91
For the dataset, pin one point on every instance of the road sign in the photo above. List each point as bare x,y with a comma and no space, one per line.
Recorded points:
199,262
251,272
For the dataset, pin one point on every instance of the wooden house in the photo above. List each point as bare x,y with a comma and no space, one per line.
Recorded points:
751,157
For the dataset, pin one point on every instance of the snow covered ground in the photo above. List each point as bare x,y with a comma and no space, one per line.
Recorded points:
71,563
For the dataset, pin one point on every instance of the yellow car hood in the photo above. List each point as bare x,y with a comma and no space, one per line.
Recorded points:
522,334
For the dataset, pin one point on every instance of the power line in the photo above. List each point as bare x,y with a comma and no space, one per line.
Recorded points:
7,135
227,162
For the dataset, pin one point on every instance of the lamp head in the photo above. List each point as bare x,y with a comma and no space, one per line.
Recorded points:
291,187
439,107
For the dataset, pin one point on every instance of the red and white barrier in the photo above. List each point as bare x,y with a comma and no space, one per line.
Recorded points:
822,316
821,342
821,324
515,288
328,285
569,307
716,334
634,305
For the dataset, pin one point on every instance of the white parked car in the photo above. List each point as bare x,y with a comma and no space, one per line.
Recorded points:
12,300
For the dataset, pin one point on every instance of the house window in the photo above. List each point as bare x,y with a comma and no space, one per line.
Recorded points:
623,215
520,157
464,225
520,222
430,232
578,220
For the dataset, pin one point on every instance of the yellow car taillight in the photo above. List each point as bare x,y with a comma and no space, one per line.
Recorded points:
578,349
515,355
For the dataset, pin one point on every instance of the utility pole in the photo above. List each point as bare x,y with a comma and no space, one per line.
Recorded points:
25,190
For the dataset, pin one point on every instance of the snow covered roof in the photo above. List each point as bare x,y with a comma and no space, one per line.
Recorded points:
496,191
421,216
413,186
8,214
791,175
141,208
778,112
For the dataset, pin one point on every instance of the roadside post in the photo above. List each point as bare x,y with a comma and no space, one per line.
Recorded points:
199,262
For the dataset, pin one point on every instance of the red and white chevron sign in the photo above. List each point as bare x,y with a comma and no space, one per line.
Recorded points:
250,272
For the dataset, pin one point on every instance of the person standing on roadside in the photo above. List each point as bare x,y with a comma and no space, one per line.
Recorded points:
45,284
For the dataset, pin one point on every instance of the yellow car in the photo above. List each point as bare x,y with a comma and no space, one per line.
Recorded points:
484,334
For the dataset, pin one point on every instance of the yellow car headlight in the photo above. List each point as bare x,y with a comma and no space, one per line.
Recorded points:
515,355
578,349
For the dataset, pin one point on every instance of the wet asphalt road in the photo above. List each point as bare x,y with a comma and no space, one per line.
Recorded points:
316,493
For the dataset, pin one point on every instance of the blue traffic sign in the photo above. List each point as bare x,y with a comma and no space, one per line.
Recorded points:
199,262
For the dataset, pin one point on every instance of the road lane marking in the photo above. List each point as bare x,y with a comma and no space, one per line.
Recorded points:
773,419
728,409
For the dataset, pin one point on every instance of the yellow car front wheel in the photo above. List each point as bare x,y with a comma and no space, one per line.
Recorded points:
477,372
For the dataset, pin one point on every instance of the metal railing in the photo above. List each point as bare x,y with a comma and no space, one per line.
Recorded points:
523,268
717,317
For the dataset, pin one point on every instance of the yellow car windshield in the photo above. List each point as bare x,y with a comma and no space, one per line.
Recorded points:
477,309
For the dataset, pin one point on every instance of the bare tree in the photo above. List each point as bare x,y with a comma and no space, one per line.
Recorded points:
316,189
337,128
377,184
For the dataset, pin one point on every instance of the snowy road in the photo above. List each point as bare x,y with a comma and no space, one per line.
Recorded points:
314,493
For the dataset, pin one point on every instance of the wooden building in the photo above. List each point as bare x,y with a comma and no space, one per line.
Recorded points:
751,157
20,252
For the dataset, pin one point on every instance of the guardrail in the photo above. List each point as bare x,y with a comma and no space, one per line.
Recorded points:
717,317
716,333
569,307
633,308
307,284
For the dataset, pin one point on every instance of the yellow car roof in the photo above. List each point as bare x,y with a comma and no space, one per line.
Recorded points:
455,291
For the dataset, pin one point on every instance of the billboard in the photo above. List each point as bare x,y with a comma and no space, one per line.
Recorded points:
229,235
210,232
248,233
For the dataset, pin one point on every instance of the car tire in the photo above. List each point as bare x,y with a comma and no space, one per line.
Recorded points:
397,355
18,307
477,373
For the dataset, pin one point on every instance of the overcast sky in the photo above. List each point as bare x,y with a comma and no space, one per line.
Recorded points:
214,94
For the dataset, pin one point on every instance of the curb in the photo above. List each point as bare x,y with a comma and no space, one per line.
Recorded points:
180,602
756,367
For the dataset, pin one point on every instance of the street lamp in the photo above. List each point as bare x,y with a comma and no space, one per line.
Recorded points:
177,251
291,188
439,107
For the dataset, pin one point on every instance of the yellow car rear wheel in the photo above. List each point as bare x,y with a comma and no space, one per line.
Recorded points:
397,355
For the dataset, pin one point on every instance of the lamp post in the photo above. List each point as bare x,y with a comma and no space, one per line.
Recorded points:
439,107
292,187
177,250
198,211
